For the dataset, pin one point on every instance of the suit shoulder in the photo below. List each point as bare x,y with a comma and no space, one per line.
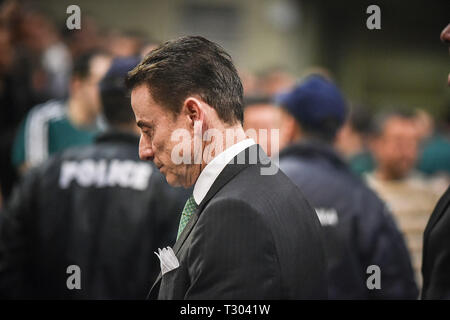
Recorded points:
231,209
233,218
255,188
224,202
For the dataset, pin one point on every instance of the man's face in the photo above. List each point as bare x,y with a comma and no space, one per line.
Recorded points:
445,37
397,148
157,125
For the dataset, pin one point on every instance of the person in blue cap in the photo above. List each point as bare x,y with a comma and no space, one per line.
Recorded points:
367,256
85,224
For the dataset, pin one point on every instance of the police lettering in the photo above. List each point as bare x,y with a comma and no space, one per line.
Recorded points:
104,173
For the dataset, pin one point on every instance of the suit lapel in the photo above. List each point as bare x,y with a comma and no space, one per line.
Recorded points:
177,246
186,231
438,211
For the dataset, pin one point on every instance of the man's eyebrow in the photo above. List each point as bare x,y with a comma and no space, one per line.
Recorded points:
142,123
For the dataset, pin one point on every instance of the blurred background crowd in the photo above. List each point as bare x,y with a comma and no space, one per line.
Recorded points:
395,132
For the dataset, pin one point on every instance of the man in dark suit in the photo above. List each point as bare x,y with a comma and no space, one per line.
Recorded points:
436,252
436,239
247,232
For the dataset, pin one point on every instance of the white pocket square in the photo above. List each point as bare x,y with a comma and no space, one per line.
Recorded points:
168,259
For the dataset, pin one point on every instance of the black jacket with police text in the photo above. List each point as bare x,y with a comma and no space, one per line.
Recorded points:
86,223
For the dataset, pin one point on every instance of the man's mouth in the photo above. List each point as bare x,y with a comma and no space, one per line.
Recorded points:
159,166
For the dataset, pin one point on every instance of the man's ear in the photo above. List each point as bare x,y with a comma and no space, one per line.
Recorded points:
194,108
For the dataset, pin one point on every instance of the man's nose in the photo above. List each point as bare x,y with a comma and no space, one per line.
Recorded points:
145,150
445,34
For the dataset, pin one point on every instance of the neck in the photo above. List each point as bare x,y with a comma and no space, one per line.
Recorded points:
78,113
218,138
221,139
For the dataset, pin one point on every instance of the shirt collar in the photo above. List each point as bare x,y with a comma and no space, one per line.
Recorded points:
215,167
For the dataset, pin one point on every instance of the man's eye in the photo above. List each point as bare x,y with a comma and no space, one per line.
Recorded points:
147,133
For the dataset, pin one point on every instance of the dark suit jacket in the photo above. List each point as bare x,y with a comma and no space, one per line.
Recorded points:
436,252
252,237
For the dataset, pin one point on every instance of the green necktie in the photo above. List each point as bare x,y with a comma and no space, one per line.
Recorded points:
188,210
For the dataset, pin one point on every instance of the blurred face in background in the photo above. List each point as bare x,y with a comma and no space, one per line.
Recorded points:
348,141
263,118
87,90
396,148
85,39
123,45
290,131
249,82
147,48
276,81
425,124
37,31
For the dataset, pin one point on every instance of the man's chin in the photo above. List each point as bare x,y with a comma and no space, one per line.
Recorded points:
448,80
171,180
174,181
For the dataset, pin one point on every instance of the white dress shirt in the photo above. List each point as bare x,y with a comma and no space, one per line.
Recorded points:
215,167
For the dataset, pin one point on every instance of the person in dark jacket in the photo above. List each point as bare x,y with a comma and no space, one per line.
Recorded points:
361,235
86,223
436,238
436,252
